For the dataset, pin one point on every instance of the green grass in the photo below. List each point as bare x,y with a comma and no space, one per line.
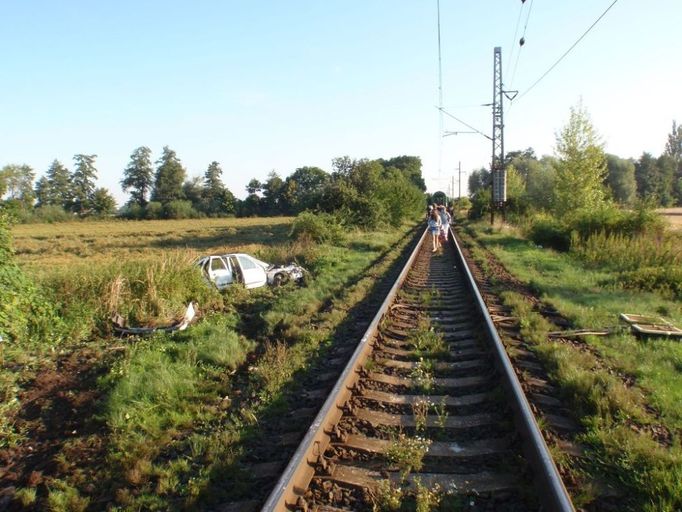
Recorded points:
177,411
169,403
573,288
608,409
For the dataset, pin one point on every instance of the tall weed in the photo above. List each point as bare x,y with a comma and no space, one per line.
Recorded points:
579,226
149,292
625,252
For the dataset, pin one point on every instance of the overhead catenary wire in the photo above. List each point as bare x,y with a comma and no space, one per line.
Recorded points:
567,51
463,122
440,95
516,32
521,43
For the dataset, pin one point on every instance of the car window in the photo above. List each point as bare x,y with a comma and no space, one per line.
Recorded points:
246,263
217,264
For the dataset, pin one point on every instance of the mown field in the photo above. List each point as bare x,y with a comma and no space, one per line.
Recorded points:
90,421
625,391
62,244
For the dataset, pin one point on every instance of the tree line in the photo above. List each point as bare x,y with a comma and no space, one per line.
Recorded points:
550,183
358,190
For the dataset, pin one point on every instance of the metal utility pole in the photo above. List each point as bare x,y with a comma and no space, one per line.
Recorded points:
499,176
459,178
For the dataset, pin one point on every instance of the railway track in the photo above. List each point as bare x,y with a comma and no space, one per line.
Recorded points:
427,411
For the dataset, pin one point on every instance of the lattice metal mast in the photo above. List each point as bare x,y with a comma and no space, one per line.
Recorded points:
499,180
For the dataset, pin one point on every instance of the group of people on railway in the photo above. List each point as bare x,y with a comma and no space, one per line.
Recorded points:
438,218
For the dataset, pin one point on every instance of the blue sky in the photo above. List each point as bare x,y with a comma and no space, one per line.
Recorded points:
275,85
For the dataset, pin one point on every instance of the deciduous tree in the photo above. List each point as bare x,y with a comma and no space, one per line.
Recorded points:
410,166
216,199
303,188
478,179
621,179
254,187
645,175
673,147
16,182
581,166
272,195
138,177
55,187
540,182
170,176
103,203
83,182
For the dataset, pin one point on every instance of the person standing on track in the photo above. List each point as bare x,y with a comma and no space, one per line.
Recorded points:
434,228
444,222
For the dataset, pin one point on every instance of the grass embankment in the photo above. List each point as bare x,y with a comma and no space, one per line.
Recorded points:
628,440
169,418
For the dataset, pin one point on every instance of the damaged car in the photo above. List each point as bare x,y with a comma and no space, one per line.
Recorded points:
226,269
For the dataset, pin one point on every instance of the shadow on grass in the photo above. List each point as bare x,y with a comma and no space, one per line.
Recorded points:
232,481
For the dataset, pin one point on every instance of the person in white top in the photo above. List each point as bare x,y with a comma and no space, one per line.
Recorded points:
444,221
434,228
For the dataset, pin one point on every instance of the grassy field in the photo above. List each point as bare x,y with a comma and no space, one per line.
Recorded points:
159,422
38,245
627,392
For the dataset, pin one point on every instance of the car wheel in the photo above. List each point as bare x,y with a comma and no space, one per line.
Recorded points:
279,279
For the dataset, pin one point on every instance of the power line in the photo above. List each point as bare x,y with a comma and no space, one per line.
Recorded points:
440,95
516,31
521,43
464,123
568,51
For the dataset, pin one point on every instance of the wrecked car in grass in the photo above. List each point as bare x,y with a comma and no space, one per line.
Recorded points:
226,269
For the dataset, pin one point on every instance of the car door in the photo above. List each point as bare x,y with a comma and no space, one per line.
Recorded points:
254,274
220,271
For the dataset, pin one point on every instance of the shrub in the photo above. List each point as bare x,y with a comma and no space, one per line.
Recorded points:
153,210
461,203
25,315
321,227
549,232
179,210
624,252
480,204
665,279
47,213
133,211
611,220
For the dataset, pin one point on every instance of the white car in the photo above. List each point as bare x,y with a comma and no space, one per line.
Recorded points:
225,269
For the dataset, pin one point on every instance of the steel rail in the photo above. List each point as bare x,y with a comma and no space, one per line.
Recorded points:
317,438
553,495
300,470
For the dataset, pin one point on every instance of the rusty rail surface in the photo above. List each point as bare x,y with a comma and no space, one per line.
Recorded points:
440,290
